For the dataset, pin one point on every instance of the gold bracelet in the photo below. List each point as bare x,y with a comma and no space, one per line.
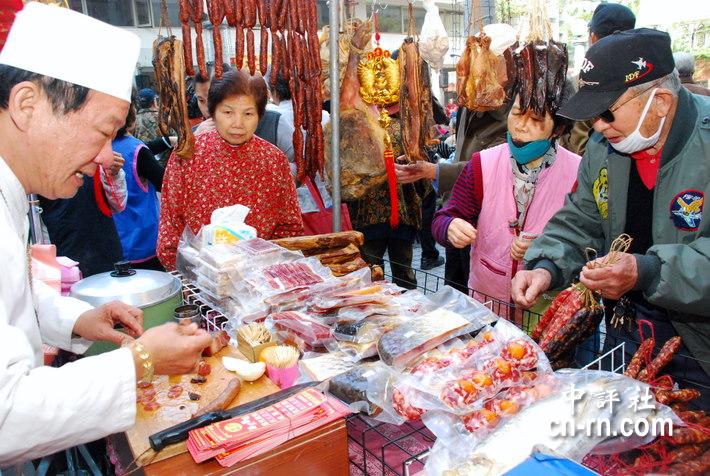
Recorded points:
146,361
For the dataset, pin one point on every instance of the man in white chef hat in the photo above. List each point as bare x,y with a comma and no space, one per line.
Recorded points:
65,84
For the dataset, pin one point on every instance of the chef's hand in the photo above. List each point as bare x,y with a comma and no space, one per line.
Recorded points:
409,173
518,248
206,125
97,324
611,281
461,233
175,348
115,167
527,286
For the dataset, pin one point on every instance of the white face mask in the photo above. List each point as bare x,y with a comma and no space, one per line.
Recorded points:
635,142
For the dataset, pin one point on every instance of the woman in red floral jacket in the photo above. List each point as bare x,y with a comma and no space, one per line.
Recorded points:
230,166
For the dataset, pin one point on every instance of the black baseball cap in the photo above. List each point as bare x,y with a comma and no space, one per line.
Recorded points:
611,17
614,64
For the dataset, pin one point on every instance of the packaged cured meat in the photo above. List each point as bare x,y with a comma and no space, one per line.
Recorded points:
355,351
369,329
453,300
381,385
356,314
303,297
460,379
351,388
285,276
246,255
310,331
325,366
419,335
338,302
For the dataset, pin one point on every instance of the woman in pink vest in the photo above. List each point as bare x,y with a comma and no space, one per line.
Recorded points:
505,196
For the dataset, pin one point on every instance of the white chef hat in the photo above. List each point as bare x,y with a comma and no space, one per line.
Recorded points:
76,48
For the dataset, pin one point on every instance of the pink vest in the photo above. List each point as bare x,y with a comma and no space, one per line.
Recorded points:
491,264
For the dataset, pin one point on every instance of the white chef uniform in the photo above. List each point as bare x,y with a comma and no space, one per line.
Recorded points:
44,409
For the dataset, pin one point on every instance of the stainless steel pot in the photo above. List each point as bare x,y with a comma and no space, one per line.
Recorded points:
155,292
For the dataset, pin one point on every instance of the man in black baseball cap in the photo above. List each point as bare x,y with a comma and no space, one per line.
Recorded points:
608,18
645,173
616,63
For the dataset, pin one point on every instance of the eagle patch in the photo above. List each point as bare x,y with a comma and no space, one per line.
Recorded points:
687,210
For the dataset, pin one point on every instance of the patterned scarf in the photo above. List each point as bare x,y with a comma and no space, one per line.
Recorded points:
525,181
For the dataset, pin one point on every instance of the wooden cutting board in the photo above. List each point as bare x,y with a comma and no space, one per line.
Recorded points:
174,411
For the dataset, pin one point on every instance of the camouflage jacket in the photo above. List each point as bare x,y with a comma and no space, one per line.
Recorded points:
147,125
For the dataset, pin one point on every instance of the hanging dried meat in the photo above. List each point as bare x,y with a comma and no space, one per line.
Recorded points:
541,65
477,82
344,43
361,137
415,102
510,76
170,83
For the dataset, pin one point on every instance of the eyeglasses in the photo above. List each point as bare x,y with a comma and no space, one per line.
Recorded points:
608,115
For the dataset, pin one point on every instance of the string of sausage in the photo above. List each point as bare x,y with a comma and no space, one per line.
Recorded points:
249,11
185,16
235,18
197,11
216,13
295,56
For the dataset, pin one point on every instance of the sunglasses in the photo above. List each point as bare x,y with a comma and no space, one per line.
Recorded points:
608,115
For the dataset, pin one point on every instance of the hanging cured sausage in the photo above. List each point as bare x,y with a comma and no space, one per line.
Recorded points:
288,33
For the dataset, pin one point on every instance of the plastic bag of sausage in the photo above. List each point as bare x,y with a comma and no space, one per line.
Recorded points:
462,379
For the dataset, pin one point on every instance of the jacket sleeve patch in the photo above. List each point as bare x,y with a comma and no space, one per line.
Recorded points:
600,189
687,210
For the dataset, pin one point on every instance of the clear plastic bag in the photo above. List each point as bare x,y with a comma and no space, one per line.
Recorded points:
353,351
369,329
284,276
302,298
334,302
188,252
307,329
412,303
404,344
462,379
433,40
381,384
588,405
324,366
351,388
460,303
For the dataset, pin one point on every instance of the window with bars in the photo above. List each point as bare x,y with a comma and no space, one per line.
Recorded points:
136,13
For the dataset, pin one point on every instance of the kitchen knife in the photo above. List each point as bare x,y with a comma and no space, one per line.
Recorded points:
179,432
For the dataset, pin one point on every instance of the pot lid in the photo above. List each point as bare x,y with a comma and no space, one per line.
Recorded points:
137,287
